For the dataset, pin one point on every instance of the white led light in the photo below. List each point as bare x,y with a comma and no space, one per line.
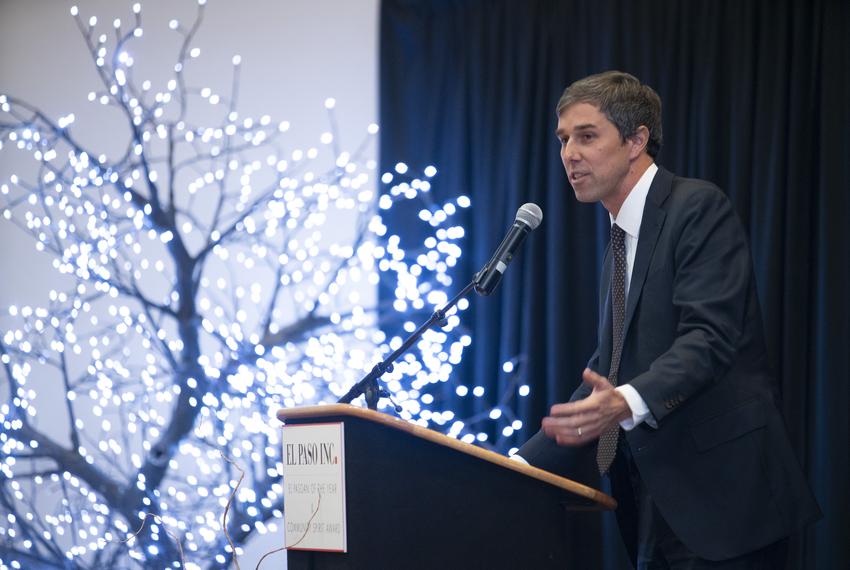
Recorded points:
269,238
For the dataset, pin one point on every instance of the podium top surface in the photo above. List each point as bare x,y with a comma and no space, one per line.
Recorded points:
599,499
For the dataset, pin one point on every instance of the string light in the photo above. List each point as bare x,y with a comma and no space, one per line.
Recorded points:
174,312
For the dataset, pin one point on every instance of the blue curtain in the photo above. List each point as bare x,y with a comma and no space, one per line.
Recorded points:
756,98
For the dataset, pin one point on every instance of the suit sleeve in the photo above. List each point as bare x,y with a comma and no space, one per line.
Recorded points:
710,283
576,463
542,451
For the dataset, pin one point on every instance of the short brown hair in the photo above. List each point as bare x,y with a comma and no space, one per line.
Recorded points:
625,102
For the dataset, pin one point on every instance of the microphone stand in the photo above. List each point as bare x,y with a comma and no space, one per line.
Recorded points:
369,386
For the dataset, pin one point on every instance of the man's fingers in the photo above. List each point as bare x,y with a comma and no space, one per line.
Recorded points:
572,436
566,409
568,422
589,426
595,380
576,416
585,406
577,423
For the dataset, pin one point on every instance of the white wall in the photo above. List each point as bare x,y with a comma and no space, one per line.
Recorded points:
295,54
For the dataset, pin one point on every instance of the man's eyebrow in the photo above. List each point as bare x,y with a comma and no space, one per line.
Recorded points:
583,127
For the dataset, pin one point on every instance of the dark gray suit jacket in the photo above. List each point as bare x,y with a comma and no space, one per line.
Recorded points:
719,466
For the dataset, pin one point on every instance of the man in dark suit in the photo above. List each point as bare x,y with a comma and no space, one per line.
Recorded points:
677,401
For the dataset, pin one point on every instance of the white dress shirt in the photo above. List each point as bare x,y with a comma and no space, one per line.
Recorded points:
629,218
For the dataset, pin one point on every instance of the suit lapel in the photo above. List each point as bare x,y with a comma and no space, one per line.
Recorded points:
650,228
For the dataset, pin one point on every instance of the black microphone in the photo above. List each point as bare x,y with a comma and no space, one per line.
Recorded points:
528,217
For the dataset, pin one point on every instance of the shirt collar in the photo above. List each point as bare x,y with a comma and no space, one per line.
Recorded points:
631,212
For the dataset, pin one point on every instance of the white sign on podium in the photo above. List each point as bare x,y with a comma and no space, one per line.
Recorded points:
314,487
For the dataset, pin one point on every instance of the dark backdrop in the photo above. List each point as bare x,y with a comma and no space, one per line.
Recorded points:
755,99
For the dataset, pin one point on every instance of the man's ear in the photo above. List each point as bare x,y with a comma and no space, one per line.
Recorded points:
638,142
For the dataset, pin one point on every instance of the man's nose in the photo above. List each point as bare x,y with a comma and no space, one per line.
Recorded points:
569,152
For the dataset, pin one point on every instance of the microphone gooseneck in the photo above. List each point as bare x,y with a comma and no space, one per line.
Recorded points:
484,282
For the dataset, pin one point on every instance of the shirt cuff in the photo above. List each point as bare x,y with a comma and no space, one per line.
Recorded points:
640,411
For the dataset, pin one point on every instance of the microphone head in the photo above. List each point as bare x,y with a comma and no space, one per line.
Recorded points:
530,214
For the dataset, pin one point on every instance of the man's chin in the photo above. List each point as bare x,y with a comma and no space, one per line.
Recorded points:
584,196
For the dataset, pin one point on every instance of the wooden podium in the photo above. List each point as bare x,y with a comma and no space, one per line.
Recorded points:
418,499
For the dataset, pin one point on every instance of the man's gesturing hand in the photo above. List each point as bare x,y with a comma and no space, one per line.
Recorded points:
580,422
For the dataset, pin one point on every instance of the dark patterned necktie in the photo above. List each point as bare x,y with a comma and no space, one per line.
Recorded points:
607,447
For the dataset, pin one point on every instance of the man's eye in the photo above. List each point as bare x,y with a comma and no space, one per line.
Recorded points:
587,137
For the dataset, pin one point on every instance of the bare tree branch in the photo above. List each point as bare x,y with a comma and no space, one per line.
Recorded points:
203,287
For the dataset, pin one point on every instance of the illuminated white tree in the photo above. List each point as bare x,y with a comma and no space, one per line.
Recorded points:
198,293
